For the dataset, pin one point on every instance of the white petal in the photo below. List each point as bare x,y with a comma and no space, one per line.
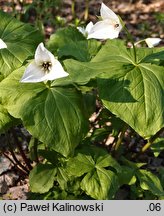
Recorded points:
89,27
2,44
56,72
43,55
82,30
103,30
85,31
107,13
33,73
151,42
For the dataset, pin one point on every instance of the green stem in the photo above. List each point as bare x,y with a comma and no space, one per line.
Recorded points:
86,9
73,9
140,41
146,146
36,150
48,84
151,140
121,135
132,41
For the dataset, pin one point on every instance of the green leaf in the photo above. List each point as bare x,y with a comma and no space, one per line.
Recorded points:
61,172
158,146
52,115
63,37
154,55
78,50
82,72
93,47
132,91
69,42
131,97
90,164
89,103
134,166
127,176
108,161
6,120
100,184
149,181
42,178
91,157
62,177
80,164
21,40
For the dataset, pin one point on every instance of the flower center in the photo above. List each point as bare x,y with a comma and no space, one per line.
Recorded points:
46,66
116,25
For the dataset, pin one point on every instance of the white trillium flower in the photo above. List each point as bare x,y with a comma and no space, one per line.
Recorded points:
151,42
44,67
2,44
108,28
86,31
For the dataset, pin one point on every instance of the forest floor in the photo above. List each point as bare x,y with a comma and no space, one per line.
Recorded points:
144,18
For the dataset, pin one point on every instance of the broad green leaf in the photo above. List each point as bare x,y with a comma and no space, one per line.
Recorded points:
62,177
80,164
6,120
69,42
91,157
21,40
108,161
158,146
97,182
93,47
82,72
42,178
52,115
100,184
115,50
95,152
61,172
132,98
127,176
78,50
89,103
133,91
134,166
152,55
149,181
63,37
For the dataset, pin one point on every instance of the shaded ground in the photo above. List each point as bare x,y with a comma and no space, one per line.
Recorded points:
144,18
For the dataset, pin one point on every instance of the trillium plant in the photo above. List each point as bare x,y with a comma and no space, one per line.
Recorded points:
108,28
84,96
44,67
